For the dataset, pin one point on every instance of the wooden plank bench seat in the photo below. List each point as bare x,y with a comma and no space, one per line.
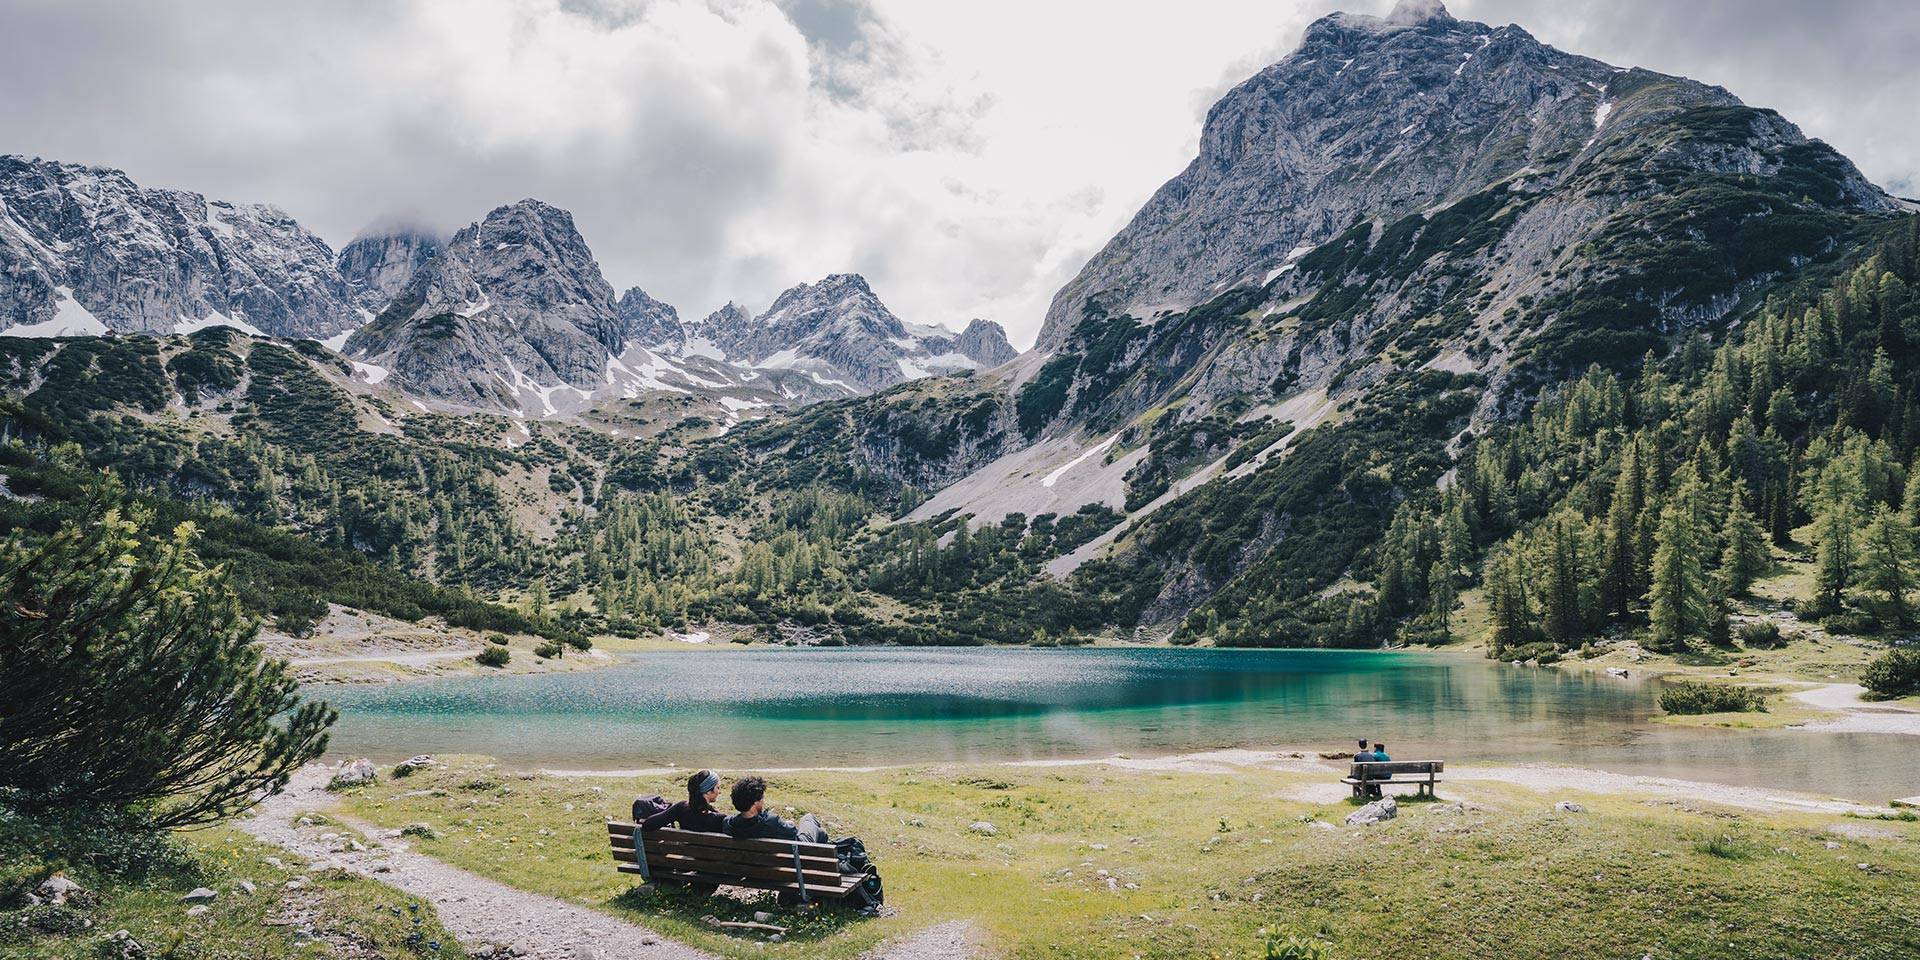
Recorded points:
1422,773
795,869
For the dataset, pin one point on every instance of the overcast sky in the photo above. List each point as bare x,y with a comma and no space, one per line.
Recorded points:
966,157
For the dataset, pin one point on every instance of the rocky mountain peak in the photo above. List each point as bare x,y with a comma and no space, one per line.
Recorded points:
985,343
646,321
1377,119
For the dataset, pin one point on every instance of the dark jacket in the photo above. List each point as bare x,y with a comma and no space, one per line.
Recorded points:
686,818
767,826
770,826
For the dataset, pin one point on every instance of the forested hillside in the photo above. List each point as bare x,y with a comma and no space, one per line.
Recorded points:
1641,500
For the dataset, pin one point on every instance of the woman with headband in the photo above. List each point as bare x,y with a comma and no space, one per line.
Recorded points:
696,812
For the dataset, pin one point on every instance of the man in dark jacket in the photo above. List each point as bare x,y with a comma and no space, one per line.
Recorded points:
755,821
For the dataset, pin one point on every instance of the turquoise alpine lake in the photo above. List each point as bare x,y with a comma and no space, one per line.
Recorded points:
853,707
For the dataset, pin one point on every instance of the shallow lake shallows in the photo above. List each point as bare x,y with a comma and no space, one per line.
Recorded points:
863,707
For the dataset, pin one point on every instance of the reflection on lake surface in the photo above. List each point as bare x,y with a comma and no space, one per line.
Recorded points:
858,707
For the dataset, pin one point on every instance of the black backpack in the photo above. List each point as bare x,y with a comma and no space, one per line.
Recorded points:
852,854
869,894
644,807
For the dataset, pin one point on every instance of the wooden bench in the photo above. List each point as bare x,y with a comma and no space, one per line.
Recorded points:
794,869
1363,777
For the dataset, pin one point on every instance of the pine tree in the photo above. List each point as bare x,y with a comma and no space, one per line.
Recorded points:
1507,602
1744,558
1833,570
131,679
1441,597
1619,576
1678,591
1886,563
1560,595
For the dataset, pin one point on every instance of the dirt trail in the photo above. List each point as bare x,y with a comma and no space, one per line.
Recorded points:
1857,715
480,911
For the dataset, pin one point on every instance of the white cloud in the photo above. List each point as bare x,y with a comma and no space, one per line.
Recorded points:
966,157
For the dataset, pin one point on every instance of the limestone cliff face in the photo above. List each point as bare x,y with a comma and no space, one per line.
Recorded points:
86,250
379,264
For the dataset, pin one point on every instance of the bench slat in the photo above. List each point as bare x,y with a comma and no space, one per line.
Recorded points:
766,871
1398,766
724,842
729,854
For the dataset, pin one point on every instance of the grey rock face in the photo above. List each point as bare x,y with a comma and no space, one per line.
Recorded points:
147,260
514,309
377,265
985,343
1369,118
647,321
838,333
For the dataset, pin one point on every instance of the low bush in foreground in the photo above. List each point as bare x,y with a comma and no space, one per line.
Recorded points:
1895,673
1691,697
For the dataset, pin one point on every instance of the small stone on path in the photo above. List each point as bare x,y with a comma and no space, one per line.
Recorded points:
984,828
1569,806
199,895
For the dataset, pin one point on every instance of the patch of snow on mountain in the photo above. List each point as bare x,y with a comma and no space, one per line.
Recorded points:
370,372
70,319
1054,477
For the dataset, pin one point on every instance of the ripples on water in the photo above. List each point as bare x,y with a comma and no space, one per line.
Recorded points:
859,707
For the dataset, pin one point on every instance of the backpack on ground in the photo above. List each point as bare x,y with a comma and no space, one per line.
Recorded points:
869,894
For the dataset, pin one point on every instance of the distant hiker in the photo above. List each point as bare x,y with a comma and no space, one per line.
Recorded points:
755,821
697,811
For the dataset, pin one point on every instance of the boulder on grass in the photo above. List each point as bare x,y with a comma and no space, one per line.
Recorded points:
358,773
1385,808
57,890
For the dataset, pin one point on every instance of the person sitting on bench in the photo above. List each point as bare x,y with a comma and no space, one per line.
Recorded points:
1380,753
1362,755
755,821
697,811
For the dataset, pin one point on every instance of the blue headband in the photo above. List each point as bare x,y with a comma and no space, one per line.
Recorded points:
707,784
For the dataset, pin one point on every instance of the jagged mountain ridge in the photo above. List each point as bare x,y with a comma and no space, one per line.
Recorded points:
87,250
840,333
514,314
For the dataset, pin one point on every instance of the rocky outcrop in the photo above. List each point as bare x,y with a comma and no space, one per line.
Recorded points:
839,334
378,264
985,343
86,250
1370,119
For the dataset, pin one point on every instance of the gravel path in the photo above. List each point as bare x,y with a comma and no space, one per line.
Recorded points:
1856,715
953,940
477,910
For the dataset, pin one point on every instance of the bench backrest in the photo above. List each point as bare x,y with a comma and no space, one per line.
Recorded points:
1380,768
718,858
